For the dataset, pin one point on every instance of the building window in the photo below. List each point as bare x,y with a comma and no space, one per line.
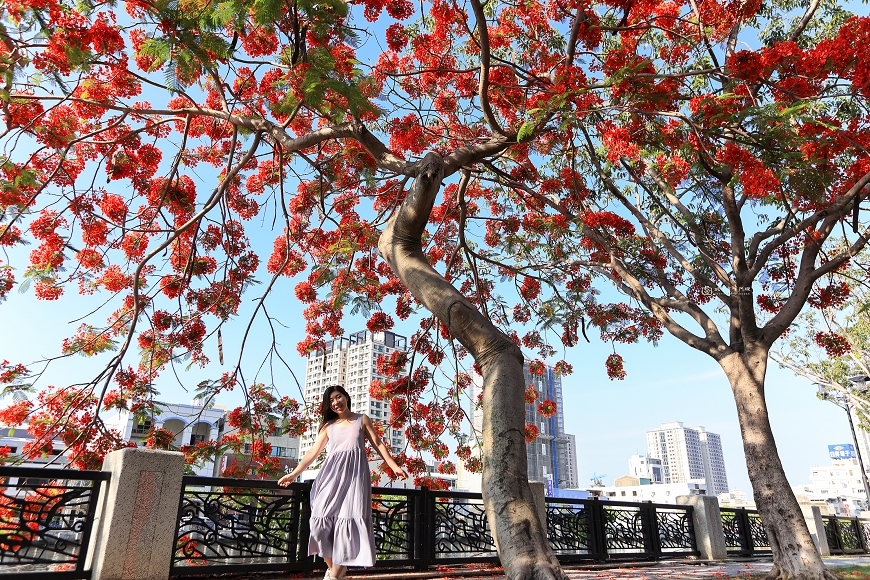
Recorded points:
142,428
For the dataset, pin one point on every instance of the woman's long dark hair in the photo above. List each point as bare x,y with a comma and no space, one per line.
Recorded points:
326,413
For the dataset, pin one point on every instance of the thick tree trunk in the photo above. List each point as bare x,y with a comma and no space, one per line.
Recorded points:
519,533
795,557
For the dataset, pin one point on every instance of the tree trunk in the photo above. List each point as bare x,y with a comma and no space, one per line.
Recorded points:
795,556
519,533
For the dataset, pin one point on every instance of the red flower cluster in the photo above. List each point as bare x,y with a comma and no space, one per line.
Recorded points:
531,395
835,345
531,432
614,366
547,408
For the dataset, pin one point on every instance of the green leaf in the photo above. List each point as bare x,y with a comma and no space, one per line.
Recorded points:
526,131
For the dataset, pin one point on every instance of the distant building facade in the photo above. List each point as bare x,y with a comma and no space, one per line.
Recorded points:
838,486
628,488
642,466
688,454
552,456
194,424
191,424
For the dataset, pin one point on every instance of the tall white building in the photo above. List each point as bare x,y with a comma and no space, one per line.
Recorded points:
688,454
352,363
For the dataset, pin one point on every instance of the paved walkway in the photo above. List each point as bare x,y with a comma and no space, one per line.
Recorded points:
629,571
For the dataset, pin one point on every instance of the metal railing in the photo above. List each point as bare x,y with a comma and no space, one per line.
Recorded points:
46,518
608,530
846,535
231,525
744,533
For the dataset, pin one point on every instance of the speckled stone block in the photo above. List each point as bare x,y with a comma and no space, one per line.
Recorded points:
707,521
815,523
135,529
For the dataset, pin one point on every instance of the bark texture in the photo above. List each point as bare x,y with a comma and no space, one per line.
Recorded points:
519,534
795,556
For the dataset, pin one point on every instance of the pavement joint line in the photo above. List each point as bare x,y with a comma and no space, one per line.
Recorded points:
627,570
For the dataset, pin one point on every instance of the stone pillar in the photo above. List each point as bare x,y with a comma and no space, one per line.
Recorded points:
813,517
707,521
539,491
135,530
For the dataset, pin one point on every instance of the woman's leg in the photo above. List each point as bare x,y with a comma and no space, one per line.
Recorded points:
328,568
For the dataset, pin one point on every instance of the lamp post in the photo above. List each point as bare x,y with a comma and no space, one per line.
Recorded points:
842,400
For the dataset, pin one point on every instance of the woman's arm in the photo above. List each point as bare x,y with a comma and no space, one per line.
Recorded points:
382,449
309,458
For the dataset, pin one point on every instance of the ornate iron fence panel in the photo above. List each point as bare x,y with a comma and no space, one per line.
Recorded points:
570,529
394,515
624,533
744,531
46,519
676,530
234,524
458,529
760,542
850,535
845,535
864,526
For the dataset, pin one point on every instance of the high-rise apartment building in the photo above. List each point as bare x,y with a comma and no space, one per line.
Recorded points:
352,363
553,455
688,454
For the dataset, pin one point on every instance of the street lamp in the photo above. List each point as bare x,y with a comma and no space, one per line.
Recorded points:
842,400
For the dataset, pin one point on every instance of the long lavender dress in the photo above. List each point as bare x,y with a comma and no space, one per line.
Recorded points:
341,500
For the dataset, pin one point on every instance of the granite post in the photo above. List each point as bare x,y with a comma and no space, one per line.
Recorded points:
707,521
135,528
813,516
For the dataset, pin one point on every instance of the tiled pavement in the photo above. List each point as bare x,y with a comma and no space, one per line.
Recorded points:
629,571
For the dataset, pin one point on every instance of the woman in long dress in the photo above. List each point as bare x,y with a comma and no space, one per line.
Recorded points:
341,497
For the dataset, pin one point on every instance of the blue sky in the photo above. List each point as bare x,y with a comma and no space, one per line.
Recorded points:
670,382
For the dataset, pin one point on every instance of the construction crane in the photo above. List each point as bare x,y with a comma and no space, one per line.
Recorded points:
597,480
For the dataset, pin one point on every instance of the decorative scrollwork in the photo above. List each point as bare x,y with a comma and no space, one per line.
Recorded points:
849,538
865,531
461,530
251,525
391,519
623,529
676,530
831,535
45,523
735,540
569,528
757,531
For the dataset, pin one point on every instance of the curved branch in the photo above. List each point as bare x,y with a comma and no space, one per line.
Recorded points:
483,86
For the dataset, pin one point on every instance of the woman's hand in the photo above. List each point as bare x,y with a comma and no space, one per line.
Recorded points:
399,472
287,479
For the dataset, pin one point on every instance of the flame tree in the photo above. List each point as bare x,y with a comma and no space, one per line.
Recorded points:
496,163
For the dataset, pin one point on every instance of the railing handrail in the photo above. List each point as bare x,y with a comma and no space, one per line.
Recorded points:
619,503
54,473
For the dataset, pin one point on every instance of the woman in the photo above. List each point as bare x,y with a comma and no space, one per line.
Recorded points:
341,497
